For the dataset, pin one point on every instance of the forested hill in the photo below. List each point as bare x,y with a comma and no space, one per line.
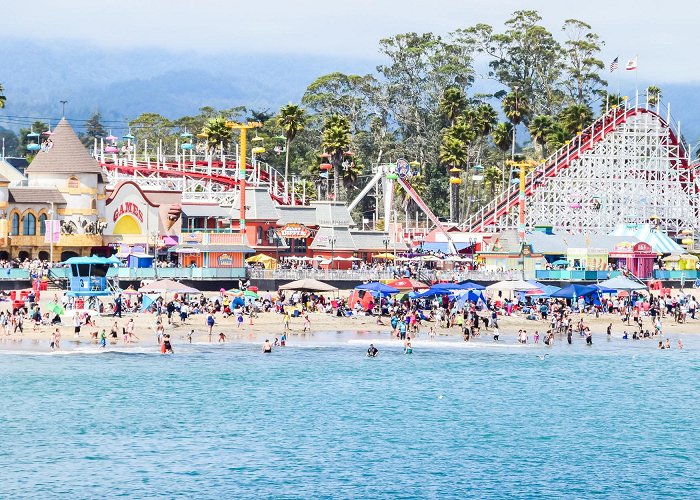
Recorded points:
124,84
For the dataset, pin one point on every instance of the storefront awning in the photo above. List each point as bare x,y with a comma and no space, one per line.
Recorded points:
210,248
206,211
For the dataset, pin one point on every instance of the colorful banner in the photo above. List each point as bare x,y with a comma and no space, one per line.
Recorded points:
52,231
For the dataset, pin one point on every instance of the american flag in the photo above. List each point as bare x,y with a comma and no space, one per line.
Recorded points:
613,65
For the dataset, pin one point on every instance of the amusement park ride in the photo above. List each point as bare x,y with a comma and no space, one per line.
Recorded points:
631,165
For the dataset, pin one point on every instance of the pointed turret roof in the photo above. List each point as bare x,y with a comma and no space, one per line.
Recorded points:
66,156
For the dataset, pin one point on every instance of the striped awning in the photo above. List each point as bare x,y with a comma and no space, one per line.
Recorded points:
658,240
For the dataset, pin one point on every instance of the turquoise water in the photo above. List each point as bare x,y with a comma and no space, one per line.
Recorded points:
320,420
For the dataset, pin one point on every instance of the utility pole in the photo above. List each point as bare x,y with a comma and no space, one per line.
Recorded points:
243,127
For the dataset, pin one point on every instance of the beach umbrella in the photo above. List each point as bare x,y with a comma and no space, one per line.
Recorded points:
560,262
408,284
543,291
55,308
250,293
385,256
235,292
253,289
451,286
377,287
308,285
573,291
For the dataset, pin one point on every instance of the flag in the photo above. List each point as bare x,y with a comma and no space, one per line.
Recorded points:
52,231
631,64
613,65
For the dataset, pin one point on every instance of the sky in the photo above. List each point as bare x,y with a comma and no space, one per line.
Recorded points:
350,29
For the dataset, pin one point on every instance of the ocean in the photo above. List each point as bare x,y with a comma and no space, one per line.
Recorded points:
318,419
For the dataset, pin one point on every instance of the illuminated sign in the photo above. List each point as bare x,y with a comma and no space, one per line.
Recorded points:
128,208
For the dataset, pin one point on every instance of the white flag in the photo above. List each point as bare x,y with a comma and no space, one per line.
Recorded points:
631,64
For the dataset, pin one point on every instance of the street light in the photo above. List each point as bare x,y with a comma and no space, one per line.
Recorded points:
331,240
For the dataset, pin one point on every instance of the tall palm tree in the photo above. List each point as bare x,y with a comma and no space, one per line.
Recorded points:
2,96
493,177
453,103
502,137
539,127
576,117
653,95
217,132
335,140
557,136
517,110
292,119
486,119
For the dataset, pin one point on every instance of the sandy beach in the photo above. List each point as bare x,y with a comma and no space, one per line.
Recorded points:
270,325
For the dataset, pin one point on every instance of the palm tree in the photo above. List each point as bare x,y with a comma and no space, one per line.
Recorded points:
2,96
292,119
335,141
217,132
557,136
653,95
493,177
539,127
486,119
576,117
453,103
502,137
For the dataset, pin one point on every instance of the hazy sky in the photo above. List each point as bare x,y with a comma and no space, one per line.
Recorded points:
662,33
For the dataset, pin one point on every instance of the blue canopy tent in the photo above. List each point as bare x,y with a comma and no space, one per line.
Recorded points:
574,291
377,288
472,286
470,296
603,289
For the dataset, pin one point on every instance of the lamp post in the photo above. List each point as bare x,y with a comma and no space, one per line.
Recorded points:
331,240
386,242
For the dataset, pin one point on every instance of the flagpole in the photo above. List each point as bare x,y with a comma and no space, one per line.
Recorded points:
636,74
52,233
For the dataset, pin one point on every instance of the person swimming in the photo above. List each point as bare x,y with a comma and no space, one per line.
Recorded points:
408,349
372,352
267,347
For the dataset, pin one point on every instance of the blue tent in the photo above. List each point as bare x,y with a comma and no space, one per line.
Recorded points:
453,286
379,288
472,286
574,291
603,289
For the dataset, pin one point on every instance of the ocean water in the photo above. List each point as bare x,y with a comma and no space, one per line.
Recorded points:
318,419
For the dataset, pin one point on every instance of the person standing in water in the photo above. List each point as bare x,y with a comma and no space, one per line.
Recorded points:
267,347
283,339
372,352
167,346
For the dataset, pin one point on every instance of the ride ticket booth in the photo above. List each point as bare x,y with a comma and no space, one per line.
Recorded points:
638,258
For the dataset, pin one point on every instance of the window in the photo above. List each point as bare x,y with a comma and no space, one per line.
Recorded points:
42,224
260,235
73,183
29,225
15,224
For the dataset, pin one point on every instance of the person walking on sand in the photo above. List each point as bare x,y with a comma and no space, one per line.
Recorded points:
129,331
285,320
52,345
210,322
189,336
57,335
118,306
307,323
76,324
103,339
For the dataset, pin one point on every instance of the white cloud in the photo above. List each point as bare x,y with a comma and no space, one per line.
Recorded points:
661,34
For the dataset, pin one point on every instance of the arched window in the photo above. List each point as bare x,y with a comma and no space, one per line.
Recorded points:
15,224
42,224
260,235
29,225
